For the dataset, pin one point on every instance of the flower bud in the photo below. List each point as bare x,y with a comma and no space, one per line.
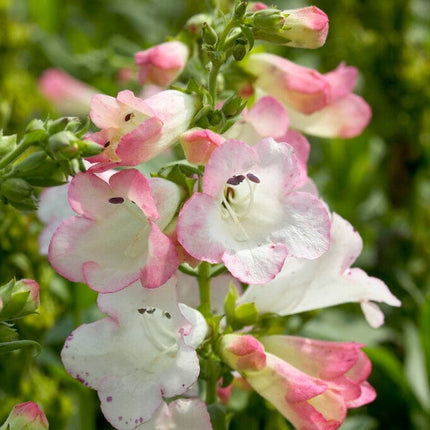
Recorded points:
233,106
209,35
198,144
239,51
300,28
63,146
161,64
195,23
15,189
26,416
240,10
243,353
7,143
19,298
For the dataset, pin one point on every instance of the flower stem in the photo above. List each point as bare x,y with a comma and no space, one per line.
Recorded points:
204,280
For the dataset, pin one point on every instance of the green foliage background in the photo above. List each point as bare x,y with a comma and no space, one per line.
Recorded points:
379,181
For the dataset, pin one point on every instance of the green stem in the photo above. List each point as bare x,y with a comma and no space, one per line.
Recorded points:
21,147
204,281
218,62
211,386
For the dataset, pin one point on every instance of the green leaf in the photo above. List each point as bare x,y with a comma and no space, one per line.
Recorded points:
415,366
18,344
230,302
7,332
245,314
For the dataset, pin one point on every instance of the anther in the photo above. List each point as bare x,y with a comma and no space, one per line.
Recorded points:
116,200
253,178
235,179
141,310
151,311
129,116
106,144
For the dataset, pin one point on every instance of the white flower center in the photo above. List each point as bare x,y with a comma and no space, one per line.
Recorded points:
238,201
160,330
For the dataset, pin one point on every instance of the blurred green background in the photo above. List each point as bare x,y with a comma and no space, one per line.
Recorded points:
379,181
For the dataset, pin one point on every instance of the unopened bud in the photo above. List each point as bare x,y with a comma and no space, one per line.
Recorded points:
63,146
233,106
239,51
7,143
240,11
89,148
209,35
19,298
15,189
26,416
195,23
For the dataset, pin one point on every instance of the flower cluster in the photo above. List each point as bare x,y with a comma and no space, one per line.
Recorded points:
240,202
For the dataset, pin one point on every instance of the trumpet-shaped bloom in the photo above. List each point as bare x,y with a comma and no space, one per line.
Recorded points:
180,414
161,64
322,105
311,383
304,285
143,351
136,130
116,237
250,215
68,95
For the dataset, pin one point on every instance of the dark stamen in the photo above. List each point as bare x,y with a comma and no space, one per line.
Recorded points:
235,179
116,200
106,144
129,116
253,178
151,311
141,310
167,315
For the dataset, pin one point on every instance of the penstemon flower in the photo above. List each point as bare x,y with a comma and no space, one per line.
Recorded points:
180,414
310,382
232,215
321,105
142,352
304,285
161,64
250,215
117,237
136,130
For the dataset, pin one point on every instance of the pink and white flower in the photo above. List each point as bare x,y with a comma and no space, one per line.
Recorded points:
180,414
161,64
116,237
304,285
26,416
317,104
142,352
312,383
136,130
250,215
68,95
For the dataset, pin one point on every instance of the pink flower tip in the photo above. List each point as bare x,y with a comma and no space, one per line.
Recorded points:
27,416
